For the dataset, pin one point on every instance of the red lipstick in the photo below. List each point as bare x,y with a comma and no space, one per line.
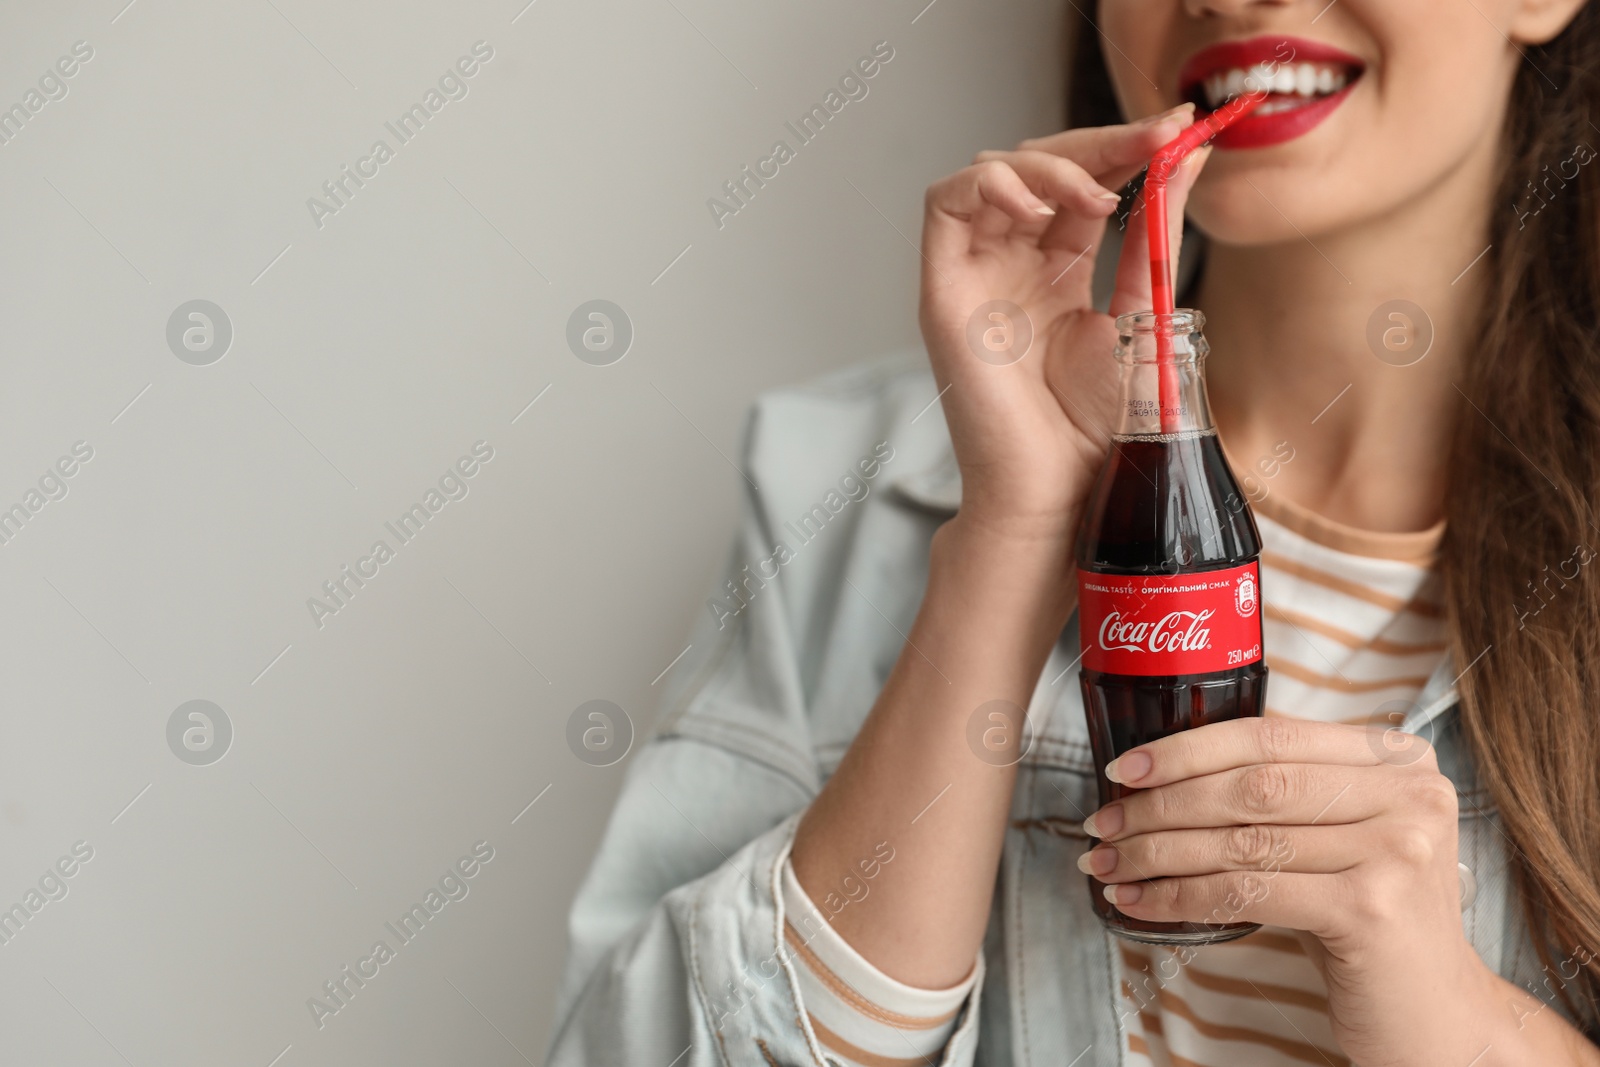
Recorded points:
1307,81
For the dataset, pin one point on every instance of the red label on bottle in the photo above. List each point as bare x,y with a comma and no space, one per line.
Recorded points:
1170,623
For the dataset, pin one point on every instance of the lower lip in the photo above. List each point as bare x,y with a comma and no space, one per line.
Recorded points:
1259,131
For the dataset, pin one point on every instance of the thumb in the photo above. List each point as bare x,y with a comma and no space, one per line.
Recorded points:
1132,292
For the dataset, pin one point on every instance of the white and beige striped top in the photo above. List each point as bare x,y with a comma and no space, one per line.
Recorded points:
861,1017
1353,629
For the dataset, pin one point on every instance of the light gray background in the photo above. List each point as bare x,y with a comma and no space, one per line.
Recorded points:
367,357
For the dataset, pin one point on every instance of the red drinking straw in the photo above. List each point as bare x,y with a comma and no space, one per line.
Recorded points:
1162,166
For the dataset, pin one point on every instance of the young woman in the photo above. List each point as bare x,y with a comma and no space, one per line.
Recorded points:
813,861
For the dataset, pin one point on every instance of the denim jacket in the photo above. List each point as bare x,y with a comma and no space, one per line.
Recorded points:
677,931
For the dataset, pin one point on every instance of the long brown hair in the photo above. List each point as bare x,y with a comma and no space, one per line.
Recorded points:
1520,508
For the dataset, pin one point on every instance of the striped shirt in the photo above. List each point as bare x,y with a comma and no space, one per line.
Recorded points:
861,1016
1353,627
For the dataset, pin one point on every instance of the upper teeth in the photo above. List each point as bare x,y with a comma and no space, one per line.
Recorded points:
1299,79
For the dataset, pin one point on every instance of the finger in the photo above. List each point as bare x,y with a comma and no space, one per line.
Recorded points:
1132,291
1253,847
1310,902
952,203
1084,202
1108,151
1111,155
1235,743
1281,794
1055,178
1113,165
1073,238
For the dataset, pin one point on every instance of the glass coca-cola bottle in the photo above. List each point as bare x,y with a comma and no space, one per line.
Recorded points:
1169,589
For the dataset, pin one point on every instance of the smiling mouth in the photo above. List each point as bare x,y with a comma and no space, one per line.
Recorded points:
1290,85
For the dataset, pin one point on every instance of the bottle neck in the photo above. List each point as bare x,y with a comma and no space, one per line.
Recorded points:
1146,410
1161,359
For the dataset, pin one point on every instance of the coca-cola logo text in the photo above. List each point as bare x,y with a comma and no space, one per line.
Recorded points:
1158,625
1177,631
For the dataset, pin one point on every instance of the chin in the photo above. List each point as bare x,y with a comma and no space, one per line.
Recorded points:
1230,212
1259,205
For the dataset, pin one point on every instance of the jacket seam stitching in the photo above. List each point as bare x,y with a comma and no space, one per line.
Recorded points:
699,979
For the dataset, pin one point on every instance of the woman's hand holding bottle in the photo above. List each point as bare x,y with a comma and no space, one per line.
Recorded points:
1025,227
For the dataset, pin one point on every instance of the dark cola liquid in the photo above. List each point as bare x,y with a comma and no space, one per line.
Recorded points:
1164,505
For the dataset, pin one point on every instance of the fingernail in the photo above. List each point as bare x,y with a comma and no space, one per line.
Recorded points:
1127,893
1105,822
1098,861
1128,768
1172,113
1045,209
1199,156
1107,196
